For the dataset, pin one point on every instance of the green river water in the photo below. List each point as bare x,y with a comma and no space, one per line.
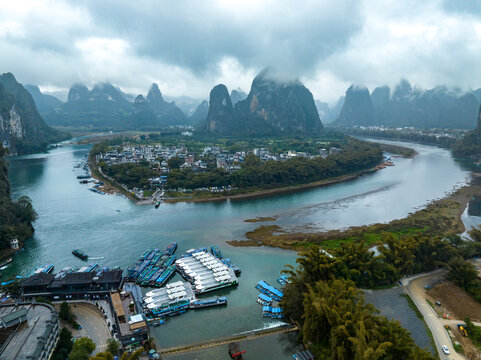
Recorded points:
71,217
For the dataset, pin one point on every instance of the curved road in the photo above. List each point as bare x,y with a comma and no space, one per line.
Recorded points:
415,288
93,325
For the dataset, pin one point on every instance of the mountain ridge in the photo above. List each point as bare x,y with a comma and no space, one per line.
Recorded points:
274,106
22,128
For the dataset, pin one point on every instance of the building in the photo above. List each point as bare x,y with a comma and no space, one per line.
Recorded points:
75,285
132,329
14,244
28,331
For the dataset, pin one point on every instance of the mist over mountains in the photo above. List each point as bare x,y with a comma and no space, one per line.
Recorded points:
107,107
405,105
274,106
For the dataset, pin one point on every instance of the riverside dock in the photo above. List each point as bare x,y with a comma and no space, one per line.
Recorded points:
205,271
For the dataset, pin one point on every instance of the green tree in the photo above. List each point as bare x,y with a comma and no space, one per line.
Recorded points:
82,349
175,162
66,313
133,356
64,345
113,346
462,272
102,356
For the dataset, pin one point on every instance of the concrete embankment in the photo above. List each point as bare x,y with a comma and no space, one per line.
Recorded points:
226,340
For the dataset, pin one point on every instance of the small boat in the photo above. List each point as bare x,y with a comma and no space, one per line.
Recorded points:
4,264
157,204
234,351
48,268
216,251
171,248
80,254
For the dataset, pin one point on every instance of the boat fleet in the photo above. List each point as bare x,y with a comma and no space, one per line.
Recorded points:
176,298
202,271
269,299
205,271
154,267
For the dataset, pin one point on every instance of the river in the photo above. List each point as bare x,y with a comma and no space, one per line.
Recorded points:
115,231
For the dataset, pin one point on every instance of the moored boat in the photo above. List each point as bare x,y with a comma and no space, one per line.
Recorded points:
216,251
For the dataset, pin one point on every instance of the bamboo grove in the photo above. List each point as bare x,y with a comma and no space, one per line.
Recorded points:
324,299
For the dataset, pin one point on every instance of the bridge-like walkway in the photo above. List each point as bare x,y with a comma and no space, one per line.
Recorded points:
226,340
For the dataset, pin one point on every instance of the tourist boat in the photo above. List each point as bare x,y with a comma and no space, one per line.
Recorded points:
80,254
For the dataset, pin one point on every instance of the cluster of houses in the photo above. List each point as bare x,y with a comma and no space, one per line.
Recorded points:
159,155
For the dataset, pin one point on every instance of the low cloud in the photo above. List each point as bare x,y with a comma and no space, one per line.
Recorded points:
188,47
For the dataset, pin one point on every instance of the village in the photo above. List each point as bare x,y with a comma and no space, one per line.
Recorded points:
163,159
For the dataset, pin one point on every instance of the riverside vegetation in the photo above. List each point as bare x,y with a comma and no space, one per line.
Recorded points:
17,216
335,322
440,218
323,299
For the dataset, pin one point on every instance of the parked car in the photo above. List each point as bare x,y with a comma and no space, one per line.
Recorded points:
445,349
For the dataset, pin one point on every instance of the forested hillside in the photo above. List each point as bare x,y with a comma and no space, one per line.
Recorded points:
16,216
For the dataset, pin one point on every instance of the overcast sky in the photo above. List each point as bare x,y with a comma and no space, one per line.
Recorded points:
187,47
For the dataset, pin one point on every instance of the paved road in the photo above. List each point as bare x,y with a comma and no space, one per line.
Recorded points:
93,325
415,288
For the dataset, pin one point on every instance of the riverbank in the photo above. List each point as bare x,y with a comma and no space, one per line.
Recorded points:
441,217
246,193
115,187
109,184
275,191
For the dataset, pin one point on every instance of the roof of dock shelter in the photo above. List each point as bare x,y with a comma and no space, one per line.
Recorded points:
78,278
40,279
110,276
117,303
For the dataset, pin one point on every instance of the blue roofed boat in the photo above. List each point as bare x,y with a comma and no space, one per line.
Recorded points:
216,251
171,248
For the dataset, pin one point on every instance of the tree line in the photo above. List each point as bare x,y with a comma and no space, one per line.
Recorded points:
335,323
356,155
